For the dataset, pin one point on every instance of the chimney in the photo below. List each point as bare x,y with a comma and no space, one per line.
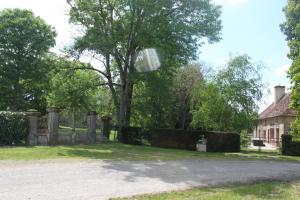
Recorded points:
279,91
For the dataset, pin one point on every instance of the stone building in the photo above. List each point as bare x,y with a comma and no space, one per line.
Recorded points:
276,119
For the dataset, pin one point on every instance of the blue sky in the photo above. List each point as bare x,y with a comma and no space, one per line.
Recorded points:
252,27
249,26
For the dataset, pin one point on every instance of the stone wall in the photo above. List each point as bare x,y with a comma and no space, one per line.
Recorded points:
44,130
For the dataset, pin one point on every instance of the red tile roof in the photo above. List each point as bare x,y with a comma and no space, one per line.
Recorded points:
281,108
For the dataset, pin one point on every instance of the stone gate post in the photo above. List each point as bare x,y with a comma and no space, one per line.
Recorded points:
53,125
91,123
33,127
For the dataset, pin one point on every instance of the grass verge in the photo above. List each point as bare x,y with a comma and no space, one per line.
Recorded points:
116,151
259,191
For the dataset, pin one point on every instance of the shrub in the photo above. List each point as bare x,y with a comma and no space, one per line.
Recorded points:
13,128
290,147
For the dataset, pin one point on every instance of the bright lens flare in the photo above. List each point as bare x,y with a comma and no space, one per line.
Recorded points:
147,60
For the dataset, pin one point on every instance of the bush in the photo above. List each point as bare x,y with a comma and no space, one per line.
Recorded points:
14,128
187,139
290,147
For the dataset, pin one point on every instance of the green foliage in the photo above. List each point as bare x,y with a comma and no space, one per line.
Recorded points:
245,138
24,43
187,79
291,28
228,103
296,126
73,89
116,31
13,128
153,101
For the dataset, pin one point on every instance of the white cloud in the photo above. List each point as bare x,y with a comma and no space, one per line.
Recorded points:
230,2
282,70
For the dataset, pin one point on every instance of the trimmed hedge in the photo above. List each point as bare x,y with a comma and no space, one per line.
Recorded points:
290,147
187,139
134,135
14,128
175,138
223,142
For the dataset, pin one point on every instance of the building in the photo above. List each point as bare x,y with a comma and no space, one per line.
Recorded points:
276,119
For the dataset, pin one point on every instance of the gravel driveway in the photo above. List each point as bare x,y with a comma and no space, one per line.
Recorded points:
96,180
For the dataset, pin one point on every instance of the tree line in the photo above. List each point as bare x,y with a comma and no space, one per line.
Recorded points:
180,94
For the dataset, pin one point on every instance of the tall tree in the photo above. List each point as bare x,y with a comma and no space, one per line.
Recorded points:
187,79
25,40
116,31
291,28
229,103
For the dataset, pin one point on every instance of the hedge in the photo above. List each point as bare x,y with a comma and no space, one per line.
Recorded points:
134,135
13,128
187,139
222,142
175,138
290,147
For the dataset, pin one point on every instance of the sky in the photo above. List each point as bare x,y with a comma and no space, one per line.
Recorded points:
249,27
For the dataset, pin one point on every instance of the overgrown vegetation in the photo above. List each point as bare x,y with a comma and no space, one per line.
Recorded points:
13,128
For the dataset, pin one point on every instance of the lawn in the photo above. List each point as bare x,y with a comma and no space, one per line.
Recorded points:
116,151
65,130
259,191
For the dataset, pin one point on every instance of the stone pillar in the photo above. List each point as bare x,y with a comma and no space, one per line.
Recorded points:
106,126
33,127
53,125
91,123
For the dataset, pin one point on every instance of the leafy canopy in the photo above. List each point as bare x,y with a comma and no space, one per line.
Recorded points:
228,103
25,40
291,28
116,31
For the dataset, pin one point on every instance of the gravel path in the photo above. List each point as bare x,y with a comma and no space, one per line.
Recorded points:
96,180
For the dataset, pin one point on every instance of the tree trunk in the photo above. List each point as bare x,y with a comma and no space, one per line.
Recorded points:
125,106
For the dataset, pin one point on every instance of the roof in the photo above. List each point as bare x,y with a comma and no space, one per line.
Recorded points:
281,108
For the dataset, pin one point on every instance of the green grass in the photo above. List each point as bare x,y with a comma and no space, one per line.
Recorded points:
116,151
67,130
64,130
260,191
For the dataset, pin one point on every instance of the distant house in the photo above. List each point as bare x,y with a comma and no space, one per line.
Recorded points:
276,119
